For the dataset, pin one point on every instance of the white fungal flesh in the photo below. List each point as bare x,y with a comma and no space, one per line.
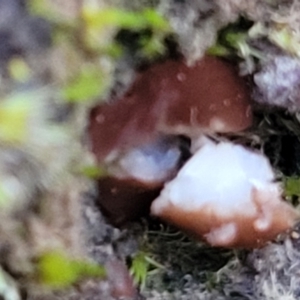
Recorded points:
222,176
154,162
223,234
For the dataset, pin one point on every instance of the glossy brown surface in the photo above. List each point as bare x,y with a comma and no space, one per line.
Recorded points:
125,200
202,223
171,97
208,97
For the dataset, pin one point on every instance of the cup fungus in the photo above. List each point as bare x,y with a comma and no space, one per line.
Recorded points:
129,134
172,98
226,195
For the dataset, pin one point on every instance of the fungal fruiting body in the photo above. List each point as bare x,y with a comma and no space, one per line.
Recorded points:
123,200
136,175
133,136
226,195
172,98
151,164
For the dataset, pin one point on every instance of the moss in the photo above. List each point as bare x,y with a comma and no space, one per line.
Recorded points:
56,270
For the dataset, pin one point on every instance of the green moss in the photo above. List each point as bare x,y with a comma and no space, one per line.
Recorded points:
98,21
86,85
15,113
286,39
142,265
292,186
57,270
19,69
92,171
234,41
148,18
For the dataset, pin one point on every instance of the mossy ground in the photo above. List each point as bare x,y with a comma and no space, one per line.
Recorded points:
60,61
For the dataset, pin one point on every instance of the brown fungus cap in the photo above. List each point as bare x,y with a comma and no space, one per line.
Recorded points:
173,98
208,97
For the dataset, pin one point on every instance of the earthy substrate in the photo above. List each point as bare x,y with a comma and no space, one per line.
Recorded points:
191,270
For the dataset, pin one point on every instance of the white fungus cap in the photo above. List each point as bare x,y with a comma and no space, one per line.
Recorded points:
226,194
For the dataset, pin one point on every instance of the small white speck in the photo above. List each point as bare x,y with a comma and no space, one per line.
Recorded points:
181,77
100,119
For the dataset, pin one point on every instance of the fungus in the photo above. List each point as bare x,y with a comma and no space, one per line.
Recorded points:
151,164
172,98
136,176
123,200
226,195
134,135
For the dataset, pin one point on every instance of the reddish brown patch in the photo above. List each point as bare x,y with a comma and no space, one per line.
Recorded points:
173,98
200,223
210,90
125,200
